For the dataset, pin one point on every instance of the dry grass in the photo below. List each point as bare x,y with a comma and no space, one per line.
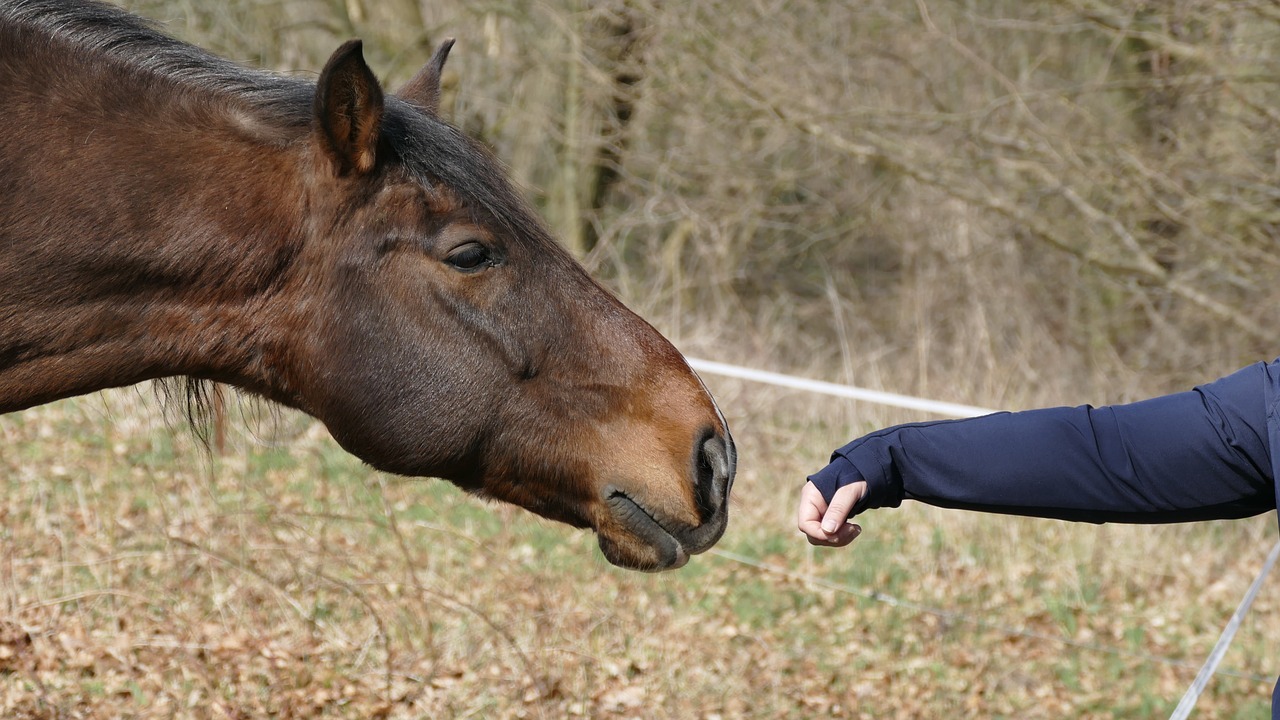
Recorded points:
141,578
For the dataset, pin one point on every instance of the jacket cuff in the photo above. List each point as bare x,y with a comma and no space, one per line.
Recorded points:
838,473
868,460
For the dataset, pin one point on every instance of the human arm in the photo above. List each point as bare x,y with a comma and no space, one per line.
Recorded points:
1198,455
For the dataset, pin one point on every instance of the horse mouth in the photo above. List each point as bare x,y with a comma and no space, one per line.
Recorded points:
645,543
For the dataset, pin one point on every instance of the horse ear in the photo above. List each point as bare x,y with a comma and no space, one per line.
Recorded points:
424,89
348,110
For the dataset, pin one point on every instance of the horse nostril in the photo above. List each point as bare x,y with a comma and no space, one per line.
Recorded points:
713,473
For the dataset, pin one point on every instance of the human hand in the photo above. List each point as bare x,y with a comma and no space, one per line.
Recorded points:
827,526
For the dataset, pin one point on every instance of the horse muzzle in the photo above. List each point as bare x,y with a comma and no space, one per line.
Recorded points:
639,535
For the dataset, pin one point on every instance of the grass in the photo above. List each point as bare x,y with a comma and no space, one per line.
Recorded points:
287,579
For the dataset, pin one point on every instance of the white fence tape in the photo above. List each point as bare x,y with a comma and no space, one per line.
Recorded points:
845,391
1188,702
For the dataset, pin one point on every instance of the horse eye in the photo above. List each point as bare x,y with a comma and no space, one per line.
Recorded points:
470,257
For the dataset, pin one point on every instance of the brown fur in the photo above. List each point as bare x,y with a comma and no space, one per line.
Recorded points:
164,213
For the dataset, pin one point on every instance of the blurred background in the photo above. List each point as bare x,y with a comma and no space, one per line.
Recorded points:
1001,203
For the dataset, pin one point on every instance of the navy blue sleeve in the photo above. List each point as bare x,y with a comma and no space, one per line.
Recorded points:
1196,455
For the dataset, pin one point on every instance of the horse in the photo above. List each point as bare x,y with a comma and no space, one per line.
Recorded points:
338,249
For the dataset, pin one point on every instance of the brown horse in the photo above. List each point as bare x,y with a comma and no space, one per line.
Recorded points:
165,213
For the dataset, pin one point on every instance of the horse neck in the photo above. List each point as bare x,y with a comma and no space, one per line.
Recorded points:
139,235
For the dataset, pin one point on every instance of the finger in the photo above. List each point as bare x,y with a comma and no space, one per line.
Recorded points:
811,526
813,533
841,505
810,509
843,535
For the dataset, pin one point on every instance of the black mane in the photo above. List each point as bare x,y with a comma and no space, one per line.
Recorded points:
133,44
